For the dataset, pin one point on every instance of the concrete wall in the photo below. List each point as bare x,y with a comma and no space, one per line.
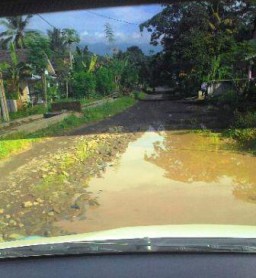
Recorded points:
37,124
219,88
25,91
12,105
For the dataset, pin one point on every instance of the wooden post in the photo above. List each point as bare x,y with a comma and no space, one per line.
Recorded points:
67,88
3,101
250,72
44,82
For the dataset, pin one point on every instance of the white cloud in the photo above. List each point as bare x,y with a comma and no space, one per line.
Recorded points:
84,34
91,26
134,14
120,37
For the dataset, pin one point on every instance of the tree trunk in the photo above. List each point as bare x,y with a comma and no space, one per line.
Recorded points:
254,30
254,38
3,101
70,58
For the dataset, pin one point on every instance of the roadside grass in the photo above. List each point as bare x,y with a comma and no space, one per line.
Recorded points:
8,147
38,109
243,131
18,142
244,138
41,109
140,95
89,115
83,101
240,136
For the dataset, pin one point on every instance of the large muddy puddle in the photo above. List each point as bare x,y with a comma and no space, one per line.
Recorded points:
172,178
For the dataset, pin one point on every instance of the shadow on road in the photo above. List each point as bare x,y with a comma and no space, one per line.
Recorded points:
159,114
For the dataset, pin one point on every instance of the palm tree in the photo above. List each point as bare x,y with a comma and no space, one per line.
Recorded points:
70,37
57,41
15,31
61,44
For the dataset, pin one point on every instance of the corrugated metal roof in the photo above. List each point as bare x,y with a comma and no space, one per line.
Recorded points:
5,56
18,7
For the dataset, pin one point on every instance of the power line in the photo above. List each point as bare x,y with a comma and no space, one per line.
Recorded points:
93,13
46,21
111,18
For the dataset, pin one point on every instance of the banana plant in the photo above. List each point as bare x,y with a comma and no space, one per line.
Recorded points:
93,63
15,71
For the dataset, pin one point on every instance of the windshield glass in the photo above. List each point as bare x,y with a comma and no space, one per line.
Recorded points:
127,117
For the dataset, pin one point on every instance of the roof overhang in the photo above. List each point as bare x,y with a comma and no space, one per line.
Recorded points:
20,7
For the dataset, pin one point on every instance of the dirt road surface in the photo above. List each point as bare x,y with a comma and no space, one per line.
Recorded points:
141,167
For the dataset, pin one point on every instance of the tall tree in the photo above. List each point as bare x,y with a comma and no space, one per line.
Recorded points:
60,43
70,37
57,40
16,31
201,39
39,52
110,37
109,33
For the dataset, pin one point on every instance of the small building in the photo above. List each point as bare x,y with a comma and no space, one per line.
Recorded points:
26,85
22,54
220,87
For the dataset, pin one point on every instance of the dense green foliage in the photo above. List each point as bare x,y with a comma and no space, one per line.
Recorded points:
39,52
84,84
203,41
8,147
104,81
67,70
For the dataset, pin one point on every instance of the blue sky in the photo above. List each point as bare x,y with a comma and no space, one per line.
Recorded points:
91,27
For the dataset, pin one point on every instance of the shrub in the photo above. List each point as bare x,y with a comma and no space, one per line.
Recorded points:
53,93
84,84
105,81
229,97
130,78
247,120
243,136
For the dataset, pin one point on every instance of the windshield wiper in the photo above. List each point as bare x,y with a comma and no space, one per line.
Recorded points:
145,245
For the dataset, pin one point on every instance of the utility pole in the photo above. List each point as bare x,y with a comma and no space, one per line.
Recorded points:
44,83
3,101
67,88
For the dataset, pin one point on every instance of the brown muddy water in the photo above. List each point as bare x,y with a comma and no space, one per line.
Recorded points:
172,178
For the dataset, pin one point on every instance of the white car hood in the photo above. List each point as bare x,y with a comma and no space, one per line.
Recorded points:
163,231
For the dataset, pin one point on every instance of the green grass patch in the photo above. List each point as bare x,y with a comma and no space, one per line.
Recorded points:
245,138
242,133
90,115
20,141
83,101
26,112
140,95
9,147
